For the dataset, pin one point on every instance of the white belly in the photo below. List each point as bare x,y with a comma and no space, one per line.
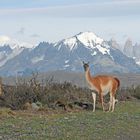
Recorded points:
105,92
106,88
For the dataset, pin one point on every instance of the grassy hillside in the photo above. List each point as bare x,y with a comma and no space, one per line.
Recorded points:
123,124
64,112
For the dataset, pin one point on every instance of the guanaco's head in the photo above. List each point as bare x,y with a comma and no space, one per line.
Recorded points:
86,66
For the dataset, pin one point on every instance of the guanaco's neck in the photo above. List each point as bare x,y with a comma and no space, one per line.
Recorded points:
88,76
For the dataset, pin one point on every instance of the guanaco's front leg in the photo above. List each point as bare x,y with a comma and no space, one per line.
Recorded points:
94,100
102,101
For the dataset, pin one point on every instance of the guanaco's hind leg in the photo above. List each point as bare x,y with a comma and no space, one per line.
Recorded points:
110,102
113,100
113,103
94,100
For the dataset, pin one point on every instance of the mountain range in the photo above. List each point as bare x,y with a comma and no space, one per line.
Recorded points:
129,49
68,54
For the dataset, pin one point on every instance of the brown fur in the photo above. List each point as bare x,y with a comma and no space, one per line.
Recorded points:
102,80
117,81
103,84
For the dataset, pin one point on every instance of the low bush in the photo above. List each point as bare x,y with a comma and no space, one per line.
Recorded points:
54,95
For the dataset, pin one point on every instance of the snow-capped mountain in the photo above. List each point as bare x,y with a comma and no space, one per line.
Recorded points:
88,39
129,49
13,43
132,50
10,48
67,54
6,54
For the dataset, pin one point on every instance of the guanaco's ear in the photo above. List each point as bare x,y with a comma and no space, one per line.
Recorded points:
83,62
88,63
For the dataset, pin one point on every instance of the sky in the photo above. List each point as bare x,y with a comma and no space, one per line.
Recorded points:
34,21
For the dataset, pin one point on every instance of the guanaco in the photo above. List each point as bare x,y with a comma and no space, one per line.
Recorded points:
102,85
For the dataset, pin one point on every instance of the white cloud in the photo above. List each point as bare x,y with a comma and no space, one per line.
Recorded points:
98,9
126,1
53,23
4,39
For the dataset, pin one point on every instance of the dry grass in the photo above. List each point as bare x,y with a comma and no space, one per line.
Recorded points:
56,96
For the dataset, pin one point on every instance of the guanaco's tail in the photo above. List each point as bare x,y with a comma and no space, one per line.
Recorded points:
118,81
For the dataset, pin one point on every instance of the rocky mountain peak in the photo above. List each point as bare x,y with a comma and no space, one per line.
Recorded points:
128,48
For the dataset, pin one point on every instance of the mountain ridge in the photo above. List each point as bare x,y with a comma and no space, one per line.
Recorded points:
67,55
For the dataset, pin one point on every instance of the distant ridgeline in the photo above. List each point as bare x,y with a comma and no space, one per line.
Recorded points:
67,55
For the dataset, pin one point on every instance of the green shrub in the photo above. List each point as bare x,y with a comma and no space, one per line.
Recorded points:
53,94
